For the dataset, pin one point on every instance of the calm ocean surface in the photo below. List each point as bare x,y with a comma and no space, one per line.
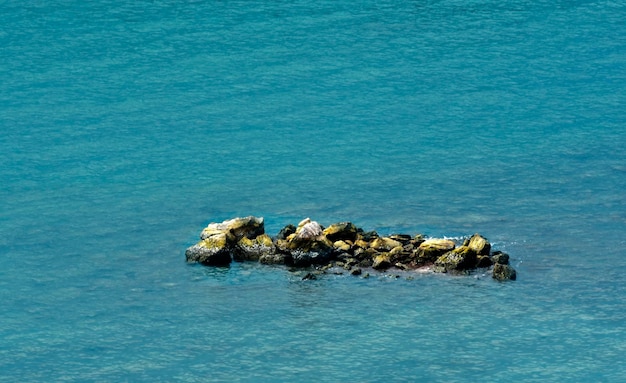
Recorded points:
128,126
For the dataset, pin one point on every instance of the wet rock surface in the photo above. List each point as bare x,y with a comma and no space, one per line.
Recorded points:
344,247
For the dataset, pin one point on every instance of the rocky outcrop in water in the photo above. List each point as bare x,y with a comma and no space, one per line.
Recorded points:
343,246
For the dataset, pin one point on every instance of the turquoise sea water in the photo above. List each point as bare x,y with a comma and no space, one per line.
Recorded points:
128,126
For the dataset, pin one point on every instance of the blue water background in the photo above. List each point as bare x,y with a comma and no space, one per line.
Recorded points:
128,126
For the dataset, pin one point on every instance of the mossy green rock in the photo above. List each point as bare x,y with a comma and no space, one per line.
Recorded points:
504,272
460,259
211,251
252,249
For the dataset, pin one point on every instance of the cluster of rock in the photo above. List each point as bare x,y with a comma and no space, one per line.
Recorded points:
343,245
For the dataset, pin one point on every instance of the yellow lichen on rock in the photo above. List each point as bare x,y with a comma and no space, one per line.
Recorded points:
264,240
219,240
479,244
433,248
341,245
382,261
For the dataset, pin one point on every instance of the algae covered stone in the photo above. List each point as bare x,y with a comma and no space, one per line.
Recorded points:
253,249
212,251
218,241
460,259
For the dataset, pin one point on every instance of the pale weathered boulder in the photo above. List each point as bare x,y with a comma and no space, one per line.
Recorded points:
308,229
384,244
218,241
249,227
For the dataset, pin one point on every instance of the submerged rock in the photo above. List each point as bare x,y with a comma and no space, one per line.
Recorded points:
309,277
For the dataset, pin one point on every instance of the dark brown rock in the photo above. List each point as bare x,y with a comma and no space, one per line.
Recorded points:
500,257
483,261
504,272
286,231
